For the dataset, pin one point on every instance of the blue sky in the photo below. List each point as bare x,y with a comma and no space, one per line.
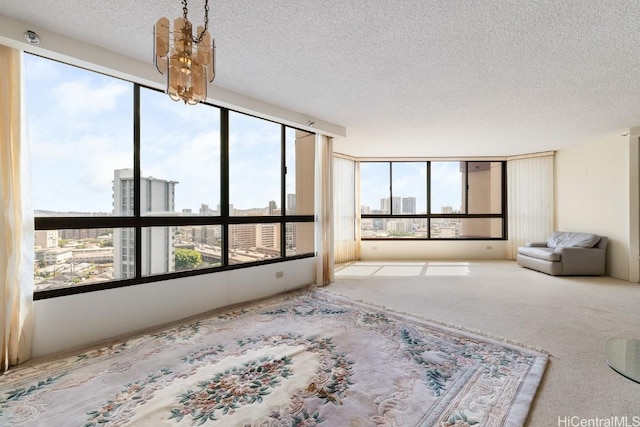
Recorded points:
80,128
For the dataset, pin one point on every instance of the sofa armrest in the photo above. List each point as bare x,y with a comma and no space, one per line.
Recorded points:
588,261
536,244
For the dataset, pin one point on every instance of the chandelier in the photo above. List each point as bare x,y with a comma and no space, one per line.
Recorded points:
187,61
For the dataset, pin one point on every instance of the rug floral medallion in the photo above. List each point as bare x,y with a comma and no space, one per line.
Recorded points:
303,359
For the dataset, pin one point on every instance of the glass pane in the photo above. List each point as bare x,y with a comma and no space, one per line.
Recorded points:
80,127
124,250
374,188
158,250
204,241
198,247
65,258
447,187
409,187
167,249
481,228
394,228
466,228
300,155
253,242
446,228
254,166
300,238
179,156
485,187
372,227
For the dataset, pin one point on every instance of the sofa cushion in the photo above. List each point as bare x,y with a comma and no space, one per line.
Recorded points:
546,254
564,239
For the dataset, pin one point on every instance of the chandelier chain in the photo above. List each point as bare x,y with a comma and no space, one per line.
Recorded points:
185,11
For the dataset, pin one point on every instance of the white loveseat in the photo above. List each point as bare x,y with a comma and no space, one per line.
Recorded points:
566,254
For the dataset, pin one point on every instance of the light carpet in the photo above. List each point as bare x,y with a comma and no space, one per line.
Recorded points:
302,359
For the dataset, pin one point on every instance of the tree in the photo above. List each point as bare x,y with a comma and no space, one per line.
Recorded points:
187,259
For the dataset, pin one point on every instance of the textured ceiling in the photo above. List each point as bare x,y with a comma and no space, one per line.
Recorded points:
405,77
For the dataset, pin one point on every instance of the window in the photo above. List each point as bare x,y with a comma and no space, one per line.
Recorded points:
130,187
375,187
299,149
409,188
433,200
179,157
255,167
80,130
447,181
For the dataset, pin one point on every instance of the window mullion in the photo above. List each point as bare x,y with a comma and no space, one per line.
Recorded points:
283,190
224,183
390,188
136,180
428,178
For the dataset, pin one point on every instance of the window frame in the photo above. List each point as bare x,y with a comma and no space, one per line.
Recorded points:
138,222
429,215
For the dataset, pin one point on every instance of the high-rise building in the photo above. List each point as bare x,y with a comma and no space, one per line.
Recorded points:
268,236
157,197
85,233
408,205
205,210
291,203
396,204
46,238
242,236
400,205
273,207
207,234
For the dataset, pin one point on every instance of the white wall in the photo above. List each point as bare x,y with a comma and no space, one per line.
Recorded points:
432,250
592,195
74,321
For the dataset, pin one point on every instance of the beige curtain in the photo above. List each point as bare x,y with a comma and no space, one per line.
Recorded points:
16,220
324,211
530,200
345,236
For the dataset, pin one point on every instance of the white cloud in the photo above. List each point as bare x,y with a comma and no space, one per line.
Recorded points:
100,163
40,70
82,97
196,165
77,174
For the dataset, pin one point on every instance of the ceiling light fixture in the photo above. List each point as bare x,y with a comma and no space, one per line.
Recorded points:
32,37
187,61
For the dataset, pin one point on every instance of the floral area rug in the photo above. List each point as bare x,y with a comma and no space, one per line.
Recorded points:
302,359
